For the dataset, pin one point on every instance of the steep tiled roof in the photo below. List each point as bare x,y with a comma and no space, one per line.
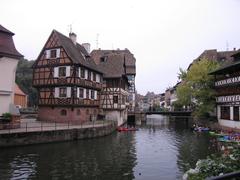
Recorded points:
7,47
77,52
18,91
122,61
224,57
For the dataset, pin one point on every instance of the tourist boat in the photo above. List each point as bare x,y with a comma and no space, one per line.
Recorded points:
122,129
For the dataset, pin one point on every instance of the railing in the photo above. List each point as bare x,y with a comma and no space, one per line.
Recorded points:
38,126
232,175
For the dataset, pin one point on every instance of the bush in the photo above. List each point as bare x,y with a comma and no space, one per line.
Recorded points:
215,166
7,117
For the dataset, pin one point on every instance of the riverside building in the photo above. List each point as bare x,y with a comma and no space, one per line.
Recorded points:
227,85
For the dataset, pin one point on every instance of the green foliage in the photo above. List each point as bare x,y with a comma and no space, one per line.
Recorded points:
24,80
197,87
215,166
182,74
6,117
184,93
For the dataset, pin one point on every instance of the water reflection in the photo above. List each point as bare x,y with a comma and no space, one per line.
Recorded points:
111,157
163,148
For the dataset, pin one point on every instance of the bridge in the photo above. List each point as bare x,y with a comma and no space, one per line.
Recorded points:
171,113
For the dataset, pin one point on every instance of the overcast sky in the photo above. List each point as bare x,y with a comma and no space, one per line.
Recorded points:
163,35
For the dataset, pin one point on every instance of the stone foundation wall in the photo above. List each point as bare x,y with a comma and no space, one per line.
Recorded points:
73,115
27,138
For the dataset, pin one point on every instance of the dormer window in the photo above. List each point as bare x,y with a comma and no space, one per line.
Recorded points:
103,59
52,53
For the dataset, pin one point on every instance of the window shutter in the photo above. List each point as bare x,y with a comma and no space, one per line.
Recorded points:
47,54
68,92
84,93
95,94
68,71
86,73
78,92
91,76
58,53
97,78
55,71
56,93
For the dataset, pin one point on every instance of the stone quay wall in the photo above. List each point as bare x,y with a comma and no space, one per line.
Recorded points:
39,137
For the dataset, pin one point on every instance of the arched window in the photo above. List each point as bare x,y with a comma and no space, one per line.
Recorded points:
63,112
78,112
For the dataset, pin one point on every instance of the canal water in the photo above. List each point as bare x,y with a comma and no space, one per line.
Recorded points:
162,148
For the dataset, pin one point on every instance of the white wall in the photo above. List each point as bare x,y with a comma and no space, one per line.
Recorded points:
7,82
229,123
119,116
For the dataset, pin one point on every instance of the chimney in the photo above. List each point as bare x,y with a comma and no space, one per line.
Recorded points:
87,47
73,37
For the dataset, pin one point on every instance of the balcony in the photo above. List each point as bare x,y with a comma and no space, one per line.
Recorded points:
68,102
66,81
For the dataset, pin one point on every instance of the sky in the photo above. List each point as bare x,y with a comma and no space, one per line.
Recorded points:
163,35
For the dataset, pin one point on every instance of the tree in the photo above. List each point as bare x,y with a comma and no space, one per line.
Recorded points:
24,80
197,87
182,74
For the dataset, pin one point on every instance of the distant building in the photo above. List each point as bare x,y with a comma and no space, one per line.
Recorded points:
117,85
68,81
9,57
227,80
222,57
20,98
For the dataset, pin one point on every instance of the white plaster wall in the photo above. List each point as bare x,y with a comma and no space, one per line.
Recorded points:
119,116
229,123
7,82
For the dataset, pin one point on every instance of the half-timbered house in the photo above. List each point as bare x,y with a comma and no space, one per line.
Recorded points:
227,85
114,95
130,69
67,79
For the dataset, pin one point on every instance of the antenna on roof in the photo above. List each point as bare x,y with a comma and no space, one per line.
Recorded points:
227,45
70,28
97,43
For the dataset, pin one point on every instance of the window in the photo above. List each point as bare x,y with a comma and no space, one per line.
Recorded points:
82,73
87,93
87,111
123,99
103,59
63,112
94,76
53,53
78,112
92,94
225,112
115,99
89,75
63,92
62,72
81,93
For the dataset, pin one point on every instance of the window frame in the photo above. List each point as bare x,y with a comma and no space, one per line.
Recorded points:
61,93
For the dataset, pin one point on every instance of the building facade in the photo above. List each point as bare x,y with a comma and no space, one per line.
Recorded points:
68,81
129,62
9,57
227,85
115,92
